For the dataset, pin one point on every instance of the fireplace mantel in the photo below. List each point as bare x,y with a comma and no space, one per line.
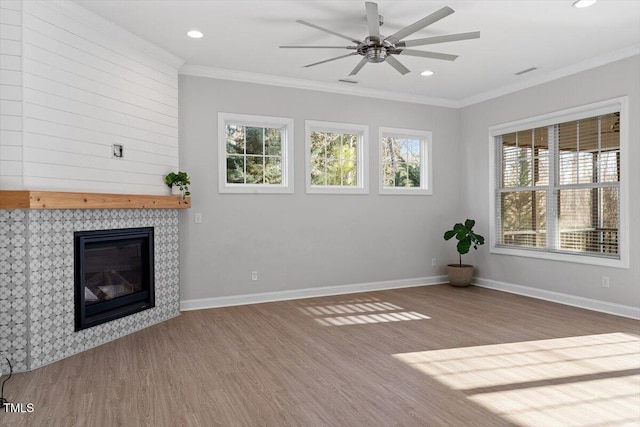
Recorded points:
27,199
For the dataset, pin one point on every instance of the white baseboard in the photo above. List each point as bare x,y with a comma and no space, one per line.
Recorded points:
575,301
227,301
572,300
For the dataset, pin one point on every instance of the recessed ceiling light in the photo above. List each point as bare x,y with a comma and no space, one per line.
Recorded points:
195,34
583,3
427,73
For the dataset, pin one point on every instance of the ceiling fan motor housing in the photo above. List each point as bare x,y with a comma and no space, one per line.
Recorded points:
374,49
376,54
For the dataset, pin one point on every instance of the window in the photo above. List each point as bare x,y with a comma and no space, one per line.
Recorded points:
336,158
559,187
255,154
405,161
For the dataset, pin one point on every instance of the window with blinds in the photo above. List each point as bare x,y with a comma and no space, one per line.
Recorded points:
558,187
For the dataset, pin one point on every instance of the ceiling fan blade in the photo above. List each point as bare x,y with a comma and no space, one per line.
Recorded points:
308,24
329,60
422,54
361,64
317,47
373,21
439,39
397,65
418,25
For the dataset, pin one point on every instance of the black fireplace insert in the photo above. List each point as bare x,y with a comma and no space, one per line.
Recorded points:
113,274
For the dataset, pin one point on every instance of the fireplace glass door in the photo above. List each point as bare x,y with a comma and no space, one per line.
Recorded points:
114,274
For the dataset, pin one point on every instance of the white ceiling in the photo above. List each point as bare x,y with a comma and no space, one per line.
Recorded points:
515,35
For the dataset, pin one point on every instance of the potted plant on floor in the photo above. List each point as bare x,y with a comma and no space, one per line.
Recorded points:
179,181
461,274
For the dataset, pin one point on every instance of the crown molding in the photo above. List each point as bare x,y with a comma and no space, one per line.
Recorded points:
116,32
553,75
248,77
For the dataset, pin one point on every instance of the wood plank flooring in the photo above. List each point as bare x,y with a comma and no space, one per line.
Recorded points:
426,356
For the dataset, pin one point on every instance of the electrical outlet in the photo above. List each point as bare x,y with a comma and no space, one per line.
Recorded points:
433,262
605,281
254,276
198,218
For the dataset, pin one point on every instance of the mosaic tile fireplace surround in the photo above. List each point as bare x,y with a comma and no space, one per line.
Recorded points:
37,280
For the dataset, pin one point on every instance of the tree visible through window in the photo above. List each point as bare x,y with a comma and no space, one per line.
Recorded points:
405,157
255,153
401,162
336,157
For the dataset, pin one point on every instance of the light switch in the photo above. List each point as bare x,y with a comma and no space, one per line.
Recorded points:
198,218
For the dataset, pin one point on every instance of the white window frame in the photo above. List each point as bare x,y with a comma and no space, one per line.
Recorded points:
286,149
426,173
621,105
362,161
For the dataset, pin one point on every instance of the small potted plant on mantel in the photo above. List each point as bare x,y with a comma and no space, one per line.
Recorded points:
178,182
461,274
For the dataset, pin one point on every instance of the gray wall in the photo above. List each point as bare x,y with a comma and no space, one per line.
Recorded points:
299,241
613,80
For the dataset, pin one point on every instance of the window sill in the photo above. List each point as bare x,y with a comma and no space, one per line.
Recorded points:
562,257
329,189
254,189
399,191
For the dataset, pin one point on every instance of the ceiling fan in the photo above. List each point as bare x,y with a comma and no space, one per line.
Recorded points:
377,48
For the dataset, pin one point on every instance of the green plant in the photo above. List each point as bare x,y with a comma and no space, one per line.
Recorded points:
180,180
465,236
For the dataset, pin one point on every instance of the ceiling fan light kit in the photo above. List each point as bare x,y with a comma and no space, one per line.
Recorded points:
376,48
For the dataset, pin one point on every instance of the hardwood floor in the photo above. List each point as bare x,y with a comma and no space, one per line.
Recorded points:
428,356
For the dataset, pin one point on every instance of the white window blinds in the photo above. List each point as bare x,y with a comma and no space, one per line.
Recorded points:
558,187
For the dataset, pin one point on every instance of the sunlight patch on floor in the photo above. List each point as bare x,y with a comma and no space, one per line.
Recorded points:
359,311
605,402
586,380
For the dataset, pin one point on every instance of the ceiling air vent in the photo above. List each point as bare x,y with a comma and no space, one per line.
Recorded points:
528,70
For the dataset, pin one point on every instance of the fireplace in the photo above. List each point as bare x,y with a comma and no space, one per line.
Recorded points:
114,274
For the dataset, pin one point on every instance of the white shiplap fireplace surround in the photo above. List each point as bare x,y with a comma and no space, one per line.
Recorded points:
72,85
